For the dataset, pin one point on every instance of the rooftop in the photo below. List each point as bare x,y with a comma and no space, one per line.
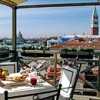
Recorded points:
80,43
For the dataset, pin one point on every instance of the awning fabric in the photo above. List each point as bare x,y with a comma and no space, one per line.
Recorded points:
17,1
12,2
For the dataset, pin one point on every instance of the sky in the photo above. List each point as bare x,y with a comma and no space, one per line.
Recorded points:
45,22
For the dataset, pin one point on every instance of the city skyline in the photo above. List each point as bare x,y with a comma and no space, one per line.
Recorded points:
48,21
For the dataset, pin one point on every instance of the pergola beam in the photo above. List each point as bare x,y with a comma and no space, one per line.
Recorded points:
14,27
8,3
59,5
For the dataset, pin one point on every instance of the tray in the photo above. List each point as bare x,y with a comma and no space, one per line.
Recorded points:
14,83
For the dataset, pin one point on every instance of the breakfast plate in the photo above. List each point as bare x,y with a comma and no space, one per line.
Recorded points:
13,83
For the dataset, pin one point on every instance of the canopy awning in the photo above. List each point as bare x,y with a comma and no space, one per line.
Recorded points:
15,1
12,3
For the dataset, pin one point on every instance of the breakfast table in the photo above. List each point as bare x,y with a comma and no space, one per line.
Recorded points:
27,89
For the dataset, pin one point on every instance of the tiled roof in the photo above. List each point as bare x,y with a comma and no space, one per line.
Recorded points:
80,44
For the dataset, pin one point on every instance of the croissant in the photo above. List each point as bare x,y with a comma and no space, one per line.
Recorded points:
16,77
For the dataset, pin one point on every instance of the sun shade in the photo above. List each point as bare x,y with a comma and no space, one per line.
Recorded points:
18,1
12,2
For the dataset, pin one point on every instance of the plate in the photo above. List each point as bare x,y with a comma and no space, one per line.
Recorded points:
14,83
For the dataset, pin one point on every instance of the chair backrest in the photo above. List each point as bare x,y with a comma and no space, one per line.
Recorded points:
10,66
37,96
68,80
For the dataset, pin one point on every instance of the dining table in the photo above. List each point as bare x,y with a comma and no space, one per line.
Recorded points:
25,89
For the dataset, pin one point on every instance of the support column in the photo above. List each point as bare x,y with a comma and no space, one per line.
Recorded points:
14,33
98,79
55,67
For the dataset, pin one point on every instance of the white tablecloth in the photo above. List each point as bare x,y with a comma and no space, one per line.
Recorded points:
21,90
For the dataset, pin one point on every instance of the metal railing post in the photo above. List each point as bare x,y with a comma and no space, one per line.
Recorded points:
14,20
98,79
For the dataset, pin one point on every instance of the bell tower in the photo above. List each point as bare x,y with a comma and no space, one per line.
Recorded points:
95,23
